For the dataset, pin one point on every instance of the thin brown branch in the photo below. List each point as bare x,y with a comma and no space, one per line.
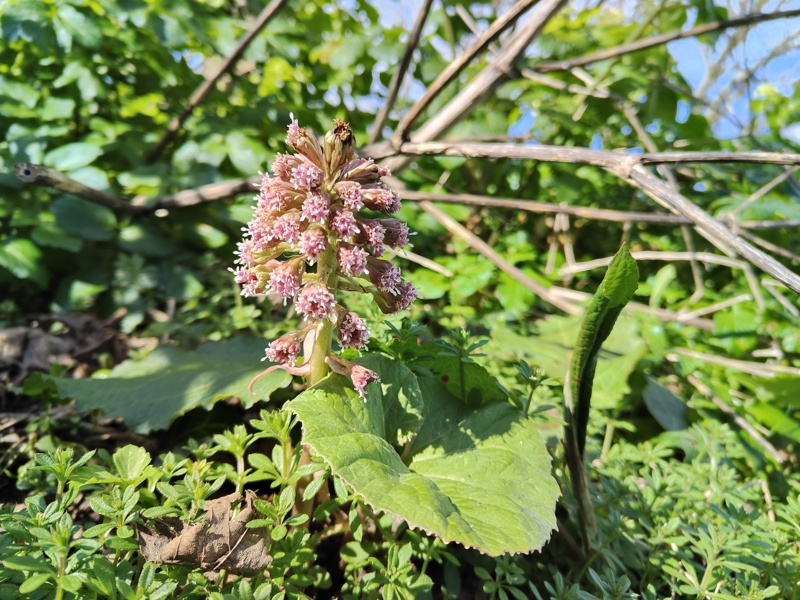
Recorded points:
455,67
711,229
786,223
771,287
570,154
775,249
207,193
557,84
779,456
764,189
584,212
756,369
629,168
658,40
224,190
712,308
704,257
212,192
400,72
421,260
202,91
662,314
46,177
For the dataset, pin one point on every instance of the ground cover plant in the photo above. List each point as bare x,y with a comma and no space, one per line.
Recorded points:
520,275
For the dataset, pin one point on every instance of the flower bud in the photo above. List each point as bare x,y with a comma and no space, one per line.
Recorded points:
305,143
384,275
353,331
339,146
393,303
283,350
360,376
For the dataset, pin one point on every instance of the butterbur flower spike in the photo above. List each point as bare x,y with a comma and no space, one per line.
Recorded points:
320,228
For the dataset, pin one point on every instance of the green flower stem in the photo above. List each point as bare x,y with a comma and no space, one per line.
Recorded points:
326,271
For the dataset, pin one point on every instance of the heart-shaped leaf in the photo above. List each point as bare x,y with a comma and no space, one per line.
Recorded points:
479,477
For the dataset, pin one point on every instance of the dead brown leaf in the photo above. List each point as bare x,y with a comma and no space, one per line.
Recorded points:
219,541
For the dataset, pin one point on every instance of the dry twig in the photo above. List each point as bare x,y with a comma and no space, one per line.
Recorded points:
482,85
658,40
629,168
46,177
459,64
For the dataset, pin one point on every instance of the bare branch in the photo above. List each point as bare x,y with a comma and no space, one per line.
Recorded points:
660,313
459,64
584,212
400,71
207,193
421,260
775,249
711,229
44,176
771,287
745,366
223,190
764,189
202,91
770,224
712,308
658,40
704,257
628,168
484,84
568,154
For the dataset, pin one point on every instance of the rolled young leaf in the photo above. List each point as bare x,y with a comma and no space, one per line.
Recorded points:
615,291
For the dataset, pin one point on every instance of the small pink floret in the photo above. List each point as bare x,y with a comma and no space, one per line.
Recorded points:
315,301
284,350
353,331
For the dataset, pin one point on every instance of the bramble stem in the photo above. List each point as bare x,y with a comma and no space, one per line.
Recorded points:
327,272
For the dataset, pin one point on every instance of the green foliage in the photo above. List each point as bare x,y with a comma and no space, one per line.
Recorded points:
151,392
688,503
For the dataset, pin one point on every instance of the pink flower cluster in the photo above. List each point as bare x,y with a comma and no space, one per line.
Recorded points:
314,233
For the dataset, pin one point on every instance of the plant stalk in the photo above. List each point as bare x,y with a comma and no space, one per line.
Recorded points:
326,273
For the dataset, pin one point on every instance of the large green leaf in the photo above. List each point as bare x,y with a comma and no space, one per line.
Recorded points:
666,408
72,156
615,291
466,380
477,477
84,219
23,259
148,394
